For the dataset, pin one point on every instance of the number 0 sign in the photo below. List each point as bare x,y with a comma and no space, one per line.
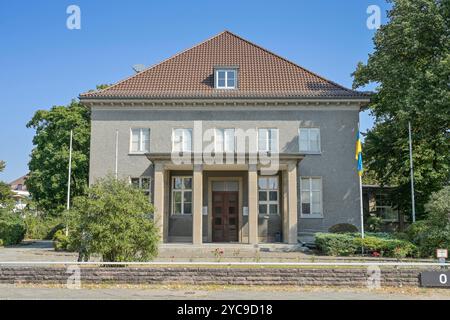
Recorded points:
435,279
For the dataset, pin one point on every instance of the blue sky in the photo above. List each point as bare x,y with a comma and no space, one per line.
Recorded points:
43,63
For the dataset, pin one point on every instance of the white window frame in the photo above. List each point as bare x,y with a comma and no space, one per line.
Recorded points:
309,150
311,215
268,202
216,78
224,141
385,205
268,140
182,190
183,138
142,149
149,190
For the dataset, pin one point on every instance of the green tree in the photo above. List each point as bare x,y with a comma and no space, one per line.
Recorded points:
6,194
48,166
115,221
411,65
433,232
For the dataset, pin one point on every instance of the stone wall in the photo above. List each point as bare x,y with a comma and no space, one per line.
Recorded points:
354,277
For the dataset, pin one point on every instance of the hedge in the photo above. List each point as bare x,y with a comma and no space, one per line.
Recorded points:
12,228
350,244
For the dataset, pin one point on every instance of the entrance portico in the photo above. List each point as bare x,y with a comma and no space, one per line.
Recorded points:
225,202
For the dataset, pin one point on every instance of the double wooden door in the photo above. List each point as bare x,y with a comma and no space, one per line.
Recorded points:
225,213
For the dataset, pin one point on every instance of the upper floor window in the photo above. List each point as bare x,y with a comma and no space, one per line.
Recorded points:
224,140
268,140
309,139
140,140
225,78
182,140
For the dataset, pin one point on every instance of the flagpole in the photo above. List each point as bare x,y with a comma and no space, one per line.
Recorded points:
361,206
411,168
117,154
68,179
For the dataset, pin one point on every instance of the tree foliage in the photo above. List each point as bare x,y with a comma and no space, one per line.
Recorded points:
411,65
434,232
49,162
6,194
115,221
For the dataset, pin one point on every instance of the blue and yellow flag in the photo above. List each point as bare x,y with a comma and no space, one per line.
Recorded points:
358,154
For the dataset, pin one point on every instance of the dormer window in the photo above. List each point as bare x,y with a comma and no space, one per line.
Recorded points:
225,78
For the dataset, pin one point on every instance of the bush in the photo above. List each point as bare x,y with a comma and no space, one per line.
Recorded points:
343,228
392,248
336,244
60,241
12,228
42,226
434,232
349,244
1,243
114,221
374,224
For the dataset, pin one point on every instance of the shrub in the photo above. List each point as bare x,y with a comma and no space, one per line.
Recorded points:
114,221
12,228
60,241
387,247
1,243
343,228
434,232
42,226
348,244
374,224
335,244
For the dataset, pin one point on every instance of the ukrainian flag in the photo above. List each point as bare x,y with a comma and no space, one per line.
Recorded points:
358,154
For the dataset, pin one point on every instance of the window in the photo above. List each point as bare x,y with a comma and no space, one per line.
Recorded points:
182,195
225,78
383,207
224,140
142,183
311,196
182,140
309,139
268,140
140,140
268,195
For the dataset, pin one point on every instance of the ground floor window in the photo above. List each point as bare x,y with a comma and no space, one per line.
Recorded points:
143,183
383,207
311,196
181,195
268,195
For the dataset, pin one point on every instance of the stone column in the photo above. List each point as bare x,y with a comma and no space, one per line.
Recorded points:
159,198
197,189
292,203
285,205
252,204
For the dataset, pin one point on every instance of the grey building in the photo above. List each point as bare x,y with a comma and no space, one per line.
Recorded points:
232,143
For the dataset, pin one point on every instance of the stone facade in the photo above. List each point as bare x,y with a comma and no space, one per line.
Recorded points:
292,276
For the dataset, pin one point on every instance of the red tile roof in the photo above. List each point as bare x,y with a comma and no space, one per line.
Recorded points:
190,75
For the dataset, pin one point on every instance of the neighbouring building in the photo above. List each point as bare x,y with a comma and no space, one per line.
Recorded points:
379,202
20,193
231,143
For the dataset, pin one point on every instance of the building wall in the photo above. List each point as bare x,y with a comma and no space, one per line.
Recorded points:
335,164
